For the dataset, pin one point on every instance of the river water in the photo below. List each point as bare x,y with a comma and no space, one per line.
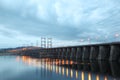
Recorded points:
27,68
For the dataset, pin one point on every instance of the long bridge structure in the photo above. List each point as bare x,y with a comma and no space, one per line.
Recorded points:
103,51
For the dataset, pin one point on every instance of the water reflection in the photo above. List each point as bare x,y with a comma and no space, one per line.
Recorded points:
82,76
71,73
62,70
76,74
97,77
89,76
105,78
70,69
67,72
57,69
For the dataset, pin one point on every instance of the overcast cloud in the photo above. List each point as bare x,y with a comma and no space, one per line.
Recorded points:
25,21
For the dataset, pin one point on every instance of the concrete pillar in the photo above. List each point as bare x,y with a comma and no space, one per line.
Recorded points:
68,53
86,53
52,55
114,53
46,53
115,69
94,66
79,53
51,52
86,67
64,53
104,67
55,53
104,52
94,52
73,54
41,51
59,53
61,50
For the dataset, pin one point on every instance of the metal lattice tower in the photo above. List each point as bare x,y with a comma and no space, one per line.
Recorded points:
43,42
49,42
46,42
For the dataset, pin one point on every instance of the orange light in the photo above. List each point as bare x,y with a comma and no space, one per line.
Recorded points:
67,62
62,61
71,62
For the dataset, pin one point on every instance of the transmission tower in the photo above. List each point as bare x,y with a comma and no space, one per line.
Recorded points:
49,42
43,42
46,42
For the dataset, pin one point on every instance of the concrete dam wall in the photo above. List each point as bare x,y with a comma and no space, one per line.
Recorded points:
106,51
110,51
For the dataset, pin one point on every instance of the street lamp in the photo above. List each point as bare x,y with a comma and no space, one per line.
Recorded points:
117,36
88,40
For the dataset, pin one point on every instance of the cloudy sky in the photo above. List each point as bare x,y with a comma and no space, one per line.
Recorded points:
68,22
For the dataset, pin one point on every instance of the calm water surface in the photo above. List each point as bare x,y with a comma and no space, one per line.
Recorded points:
26,68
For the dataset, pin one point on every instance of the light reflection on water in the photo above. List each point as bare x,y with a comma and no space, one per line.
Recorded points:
56,69
97,77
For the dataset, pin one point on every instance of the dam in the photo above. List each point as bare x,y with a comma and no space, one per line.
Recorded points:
102,52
